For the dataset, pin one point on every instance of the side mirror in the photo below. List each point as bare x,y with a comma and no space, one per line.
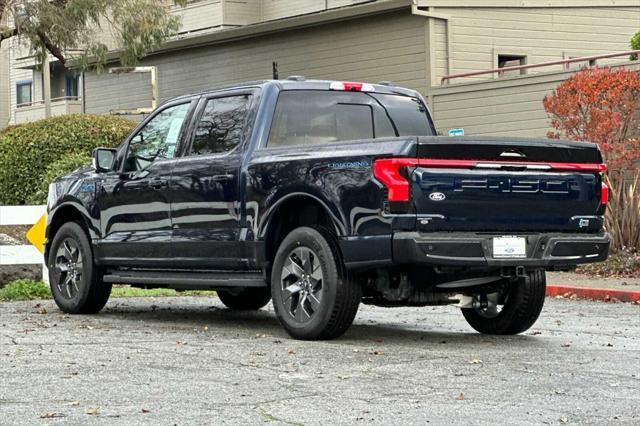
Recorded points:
103,159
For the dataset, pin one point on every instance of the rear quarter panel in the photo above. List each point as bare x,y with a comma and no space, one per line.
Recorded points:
340,176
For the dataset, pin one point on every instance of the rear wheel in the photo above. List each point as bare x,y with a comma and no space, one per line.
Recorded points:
512,311
76,283
312,295
247,299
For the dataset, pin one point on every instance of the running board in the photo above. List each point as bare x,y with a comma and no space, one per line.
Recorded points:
186,280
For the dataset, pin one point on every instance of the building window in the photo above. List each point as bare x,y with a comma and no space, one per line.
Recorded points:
71,86
23,92
505,61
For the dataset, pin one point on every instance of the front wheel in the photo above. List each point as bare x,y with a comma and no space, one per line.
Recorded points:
511,311
76,283
312,295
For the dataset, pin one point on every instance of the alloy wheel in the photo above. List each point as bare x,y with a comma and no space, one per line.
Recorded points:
302,285
68,266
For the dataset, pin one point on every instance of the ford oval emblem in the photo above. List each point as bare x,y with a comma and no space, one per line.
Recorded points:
437,196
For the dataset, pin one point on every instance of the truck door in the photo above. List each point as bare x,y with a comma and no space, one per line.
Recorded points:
134,199
205,186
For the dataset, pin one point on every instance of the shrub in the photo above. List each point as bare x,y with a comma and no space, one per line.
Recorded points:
65,165
622,219
27,151
599,105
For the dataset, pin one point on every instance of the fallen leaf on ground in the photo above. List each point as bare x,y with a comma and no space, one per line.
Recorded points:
51,415
74,403
292,351
94,411
460,397
144,410
475,361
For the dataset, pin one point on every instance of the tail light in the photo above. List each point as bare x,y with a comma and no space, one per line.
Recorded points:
389,171
604,194
349,86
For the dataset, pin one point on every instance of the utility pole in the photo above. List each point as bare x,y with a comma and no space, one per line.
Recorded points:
46,87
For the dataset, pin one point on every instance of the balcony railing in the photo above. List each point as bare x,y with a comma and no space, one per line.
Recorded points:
592,60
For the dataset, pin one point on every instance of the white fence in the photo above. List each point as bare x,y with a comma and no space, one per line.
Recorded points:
23,254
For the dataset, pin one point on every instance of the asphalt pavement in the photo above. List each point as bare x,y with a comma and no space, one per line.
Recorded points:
190,361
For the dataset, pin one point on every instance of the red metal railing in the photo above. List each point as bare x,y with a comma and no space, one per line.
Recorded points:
566,62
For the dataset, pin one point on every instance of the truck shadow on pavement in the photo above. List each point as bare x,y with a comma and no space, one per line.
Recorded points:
264,322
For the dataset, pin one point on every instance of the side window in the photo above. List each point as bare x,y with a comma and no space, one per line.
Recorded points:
221,125
157,140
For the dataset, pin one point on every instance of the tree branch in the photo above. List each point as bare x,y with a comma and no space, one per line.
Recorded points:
48,44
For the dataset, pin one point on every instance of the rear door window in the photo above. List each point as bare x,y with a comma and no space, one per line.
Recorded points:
221,125
307,117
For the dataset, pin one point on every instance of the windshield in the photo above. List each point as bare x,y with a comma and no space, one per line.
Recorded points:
305,117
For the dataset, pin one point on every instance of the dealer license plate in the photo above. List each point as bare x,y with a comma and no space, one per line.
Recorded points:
509,247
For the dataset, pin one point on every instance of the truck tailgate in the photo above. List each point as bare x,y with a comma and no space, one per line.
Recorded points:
491,184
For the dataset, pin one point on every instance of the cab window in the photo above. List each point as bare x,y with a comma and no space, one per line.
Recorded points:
220,128
157,140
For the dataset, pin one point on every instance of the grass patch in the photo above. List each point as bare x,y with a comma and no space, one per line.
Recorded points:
127,291
25,290
30,290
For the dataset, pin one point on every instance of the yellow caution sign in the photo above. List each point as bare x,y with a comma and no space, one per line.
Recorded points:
36,235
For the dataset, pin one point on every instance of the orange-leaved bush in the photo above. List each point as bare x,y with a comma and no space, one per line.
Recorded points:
599,105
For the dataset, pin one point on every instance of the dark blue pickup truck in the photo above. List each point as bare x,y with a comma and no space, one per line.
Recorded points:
320,195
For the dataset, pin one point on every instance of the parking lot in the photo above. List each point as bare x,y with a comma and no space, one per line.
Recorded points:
190,361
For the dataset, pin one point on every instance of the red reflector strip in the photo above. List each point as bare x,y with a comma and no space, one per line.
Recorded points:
604,193
582,167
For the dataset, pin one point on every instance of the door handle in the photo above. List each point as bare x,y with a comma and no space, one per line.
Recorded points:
158,183
219,178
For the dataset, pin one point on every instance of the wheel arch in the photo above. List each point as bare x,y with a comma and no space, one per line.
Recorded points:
63,214
292,211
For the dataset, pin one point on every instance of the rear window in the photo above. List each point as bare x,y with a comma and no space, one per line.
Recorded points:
307,117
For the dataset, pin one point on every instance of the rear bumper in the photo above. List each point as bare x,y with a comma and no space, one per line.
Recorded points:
549,251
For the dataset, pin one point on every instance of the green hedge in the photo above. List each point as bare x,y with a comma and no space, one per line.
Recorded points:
33,153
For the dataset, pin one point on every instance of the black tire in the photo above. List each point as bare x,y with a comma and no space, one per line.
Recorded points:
247,299
521,309
79,289
325,306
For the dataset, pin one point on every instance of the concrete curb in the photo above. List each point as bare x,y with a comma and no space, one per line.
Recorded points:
604,294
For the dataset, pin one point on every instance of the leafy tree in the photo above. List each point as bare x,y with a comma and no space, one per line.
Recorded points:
635,45
76,29
599,105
